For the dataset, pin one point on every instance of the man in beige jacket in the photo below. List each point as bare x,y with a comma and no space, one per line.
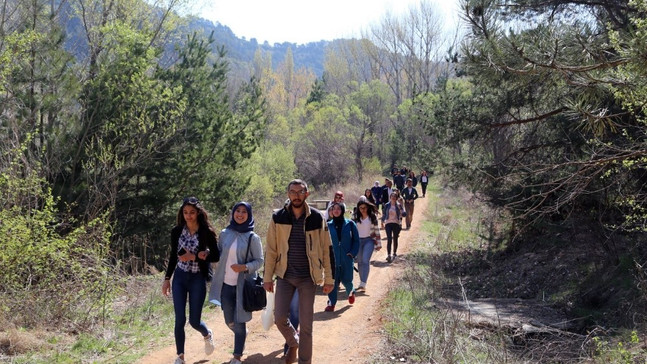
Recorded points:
297,252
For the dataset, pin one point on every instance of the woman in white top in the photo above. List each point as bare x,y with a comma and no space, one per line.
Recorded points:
369,239
236,265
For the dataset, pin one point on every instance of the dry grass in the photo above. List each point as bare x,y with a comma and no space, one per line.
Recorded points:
16,342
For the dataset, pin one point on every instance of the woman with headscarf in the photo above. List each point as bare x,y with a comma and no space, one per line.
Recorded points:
376,191
241,256
345,245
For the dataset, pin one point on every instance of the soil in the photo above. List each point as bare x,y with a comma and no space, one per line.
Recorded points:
353,333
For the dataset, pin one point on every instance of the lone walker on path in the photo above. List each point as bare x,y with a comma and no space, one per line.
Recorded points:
410,194
298,266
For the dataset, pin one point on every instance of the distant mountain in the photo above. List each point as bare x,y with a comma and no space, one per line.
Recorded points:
310,55
240,51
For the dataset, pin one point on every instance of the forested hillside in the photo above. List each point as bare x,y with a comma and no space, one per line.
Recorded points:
113,111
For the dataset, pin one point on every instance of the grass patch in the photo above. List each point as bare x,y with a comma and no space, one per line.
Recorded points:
136,322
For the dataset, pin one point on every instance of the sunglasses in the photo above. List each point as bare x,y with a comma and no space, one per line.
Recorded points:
190,201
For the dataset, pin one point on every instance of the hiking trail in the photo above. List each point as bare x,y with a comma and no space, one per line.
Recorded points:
353,333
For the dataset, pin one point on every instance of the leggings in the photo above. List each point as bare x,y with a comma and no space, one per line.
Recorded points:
392,235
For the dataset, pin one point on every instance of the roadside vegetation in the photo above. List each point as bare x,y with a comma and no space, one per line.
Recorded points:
462,254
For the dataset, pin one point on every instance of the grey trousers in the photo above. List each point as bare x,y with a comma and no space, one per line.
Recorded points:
283,296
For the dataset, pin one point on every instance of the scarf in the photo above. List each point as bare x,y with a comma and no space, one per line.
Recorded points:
248,225
338,221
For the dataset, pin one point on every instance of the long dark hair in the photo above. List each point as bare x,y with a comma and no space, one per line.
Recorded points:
203,215
370,209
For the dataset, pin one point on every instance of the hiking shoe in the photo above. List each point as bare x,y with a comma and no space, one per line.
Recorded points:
329,308
388,259
291,356
178,360
208,343
360,289
235,361
351,298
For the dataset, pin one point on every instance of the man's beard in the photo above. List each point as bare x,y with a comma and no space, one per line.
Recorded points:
296,203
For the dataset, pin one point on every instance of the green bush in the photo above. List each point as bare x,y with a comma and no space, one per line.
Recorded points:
54,271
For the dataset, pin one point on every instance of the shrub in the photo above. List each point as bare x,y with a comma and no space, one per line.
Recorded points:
55,271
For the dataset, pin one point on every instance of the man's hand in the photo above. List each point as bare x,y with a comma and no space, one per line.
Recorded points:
269,286
327,288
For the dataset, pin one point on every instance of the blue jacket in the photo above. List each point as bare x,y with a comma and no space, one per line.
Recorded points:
349,242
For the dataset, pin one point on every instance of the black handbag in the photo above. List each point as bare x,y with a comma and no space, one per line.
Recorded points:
254,298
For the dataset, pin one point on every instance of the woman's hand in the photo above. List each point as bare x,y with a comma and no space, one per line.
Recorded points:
166,287
203,254
238,268
187,257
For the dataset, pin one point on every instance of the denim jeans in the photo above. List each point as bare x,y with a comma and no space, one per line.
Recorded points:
294,317
366,246
194,286
392,235
294,311
228,300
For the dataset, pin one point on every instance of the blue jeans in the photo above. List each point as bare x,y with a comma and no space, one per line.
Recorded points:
366,246
228,300
294,310
392,235
194,286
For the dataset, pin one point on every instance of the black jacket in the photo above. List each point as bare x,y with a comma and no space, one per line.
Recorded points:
206,240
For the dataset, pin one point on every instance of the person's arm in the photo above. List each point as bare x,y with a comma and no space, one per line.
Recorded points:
415,194
270,258
211,253
172,263
326,243
256,251
354,246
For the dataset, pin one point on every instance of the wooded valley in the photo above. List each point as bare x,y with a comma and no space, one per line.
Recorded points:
113,111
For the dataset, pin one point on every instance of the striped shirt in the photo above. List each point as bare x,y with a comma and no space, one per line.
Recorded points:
190,244
298,264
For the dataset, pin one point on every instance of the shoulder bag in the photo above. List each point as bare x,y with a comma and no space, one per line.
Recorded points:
254,298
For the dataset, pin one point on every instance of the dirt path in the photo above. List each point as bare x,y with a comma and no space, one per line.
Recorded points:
350,334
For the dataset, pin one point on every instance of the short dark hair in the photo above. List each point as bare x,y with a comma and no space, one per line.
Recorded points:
298,181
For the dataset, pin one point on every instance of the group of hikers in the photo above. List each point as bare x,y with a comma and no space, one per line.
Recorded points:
304,248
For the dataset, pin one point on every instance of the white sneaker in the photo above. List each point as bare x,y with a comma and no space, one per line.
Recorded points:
208,343
178,360
235,361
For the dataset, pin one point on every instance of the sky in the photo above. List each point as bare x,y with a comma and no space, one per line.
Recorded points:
303,21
